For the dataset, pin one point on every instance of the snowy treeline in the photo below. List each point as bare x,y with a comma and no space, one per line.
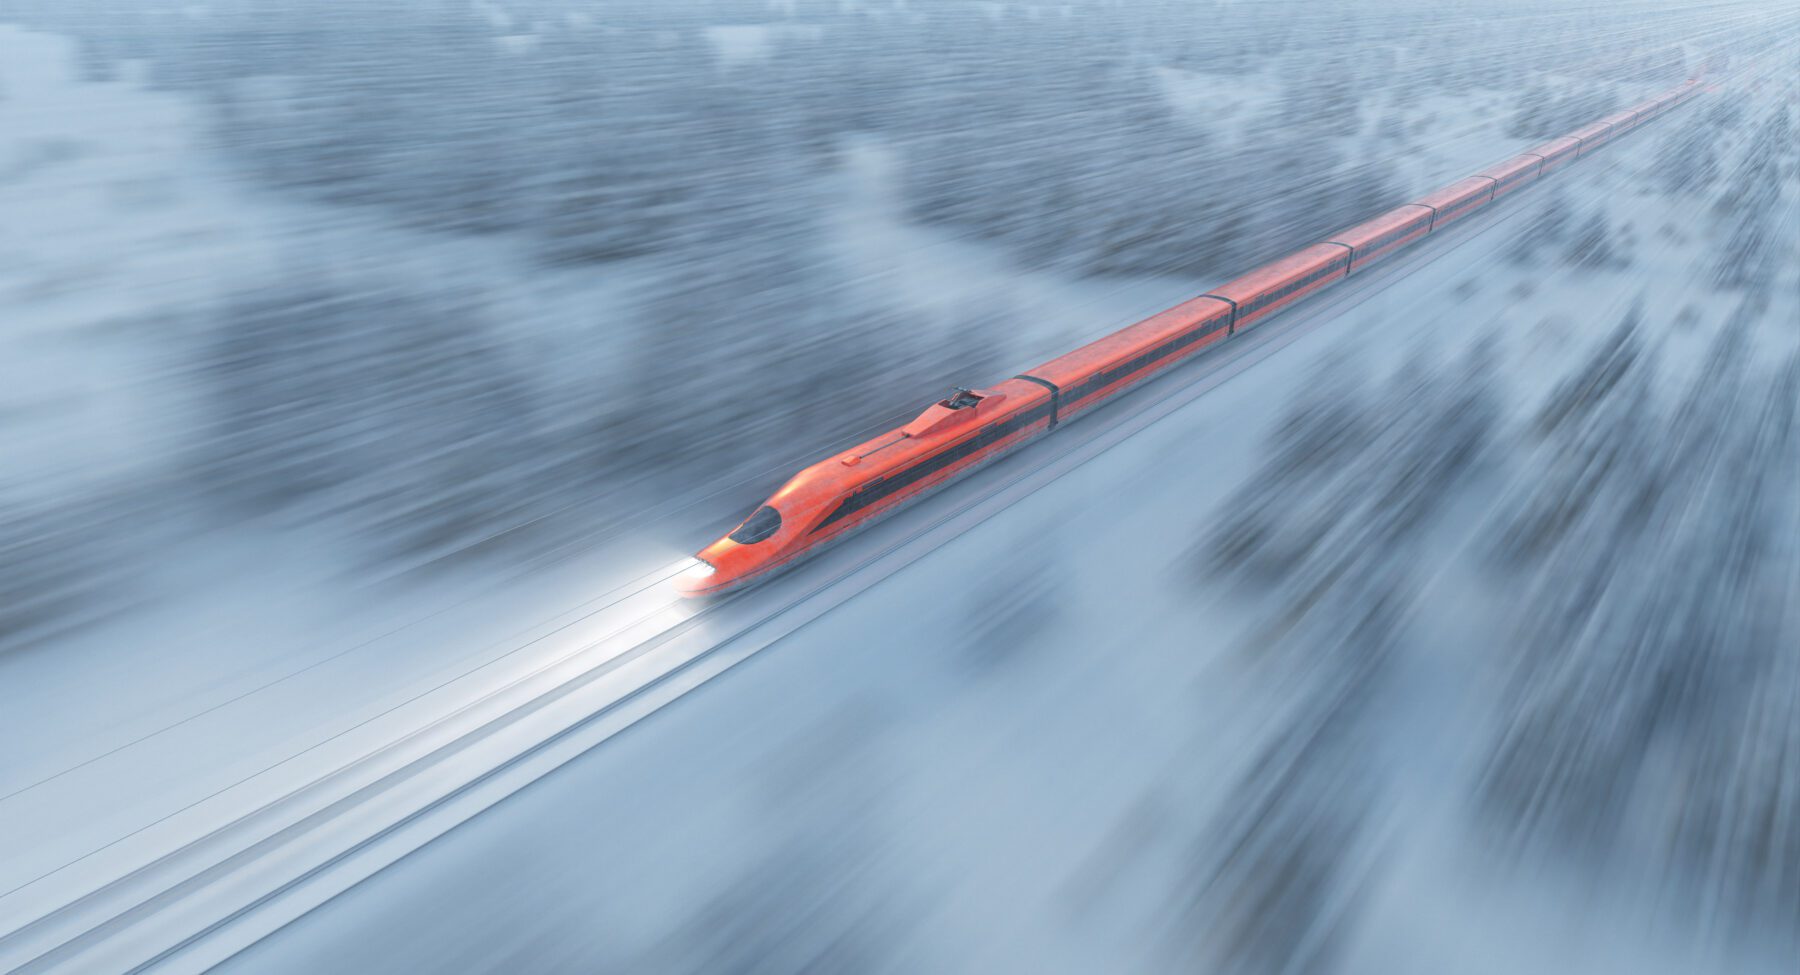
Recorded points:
1655,711
1642,553
1562,234
403,412
1644,547
1356,473
1352,473
1758,244
60,563
1544,113
1045,128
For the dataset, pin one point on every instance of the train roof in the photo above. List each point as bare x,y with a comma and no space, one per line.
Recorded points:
1361,234
1456,192
1508,167
1133,339
1280,272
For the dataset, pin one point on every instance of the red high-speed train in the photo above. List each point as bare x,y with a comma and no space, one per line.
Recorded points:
837,496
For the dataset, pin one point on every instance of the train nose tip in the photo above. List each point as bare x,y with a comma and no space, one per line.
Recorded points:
696,578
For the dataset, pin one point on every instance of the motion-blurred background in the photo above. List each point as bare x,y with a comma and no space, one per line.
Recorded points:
1461,637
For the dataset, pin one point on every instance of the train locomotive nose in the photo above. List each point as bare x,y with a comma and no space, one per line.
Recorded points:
698,578
747,552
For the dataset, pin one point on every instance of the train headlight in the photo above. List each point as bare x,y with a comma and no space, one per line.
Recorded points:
698,570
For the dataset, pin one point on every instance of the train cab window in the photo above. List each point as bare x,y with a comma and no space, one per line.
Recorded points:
762,523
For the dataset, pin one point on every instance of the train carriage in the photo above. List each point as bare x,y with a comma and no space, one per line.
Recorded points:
1093,373
1377,237
1556,153
1621,122
1274,286
1513,174
1458,200
1593,136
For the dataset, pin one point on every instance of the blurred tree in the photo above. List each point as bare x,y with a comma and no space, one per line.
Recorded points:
389,409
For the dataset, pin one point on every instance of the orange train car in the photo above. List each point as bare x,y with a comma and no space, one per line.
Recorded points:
1621,122
1592,137
1272,287
1514,174
1377,237
1458,200
839,495
1096,372
1556,153
1648,109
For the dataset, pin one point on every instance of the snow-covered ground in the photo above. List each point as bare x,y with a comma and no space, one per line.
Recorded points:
1029,751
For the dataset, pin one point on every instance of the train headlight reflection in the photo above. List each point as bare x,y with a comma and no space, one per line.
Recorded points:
698,570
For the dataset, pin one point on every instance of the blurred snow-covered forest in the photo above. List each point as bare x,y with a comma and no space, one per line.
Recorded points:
346,300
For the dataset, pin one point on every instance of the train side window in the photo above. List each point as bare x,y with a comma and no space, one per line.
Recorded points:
762,523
